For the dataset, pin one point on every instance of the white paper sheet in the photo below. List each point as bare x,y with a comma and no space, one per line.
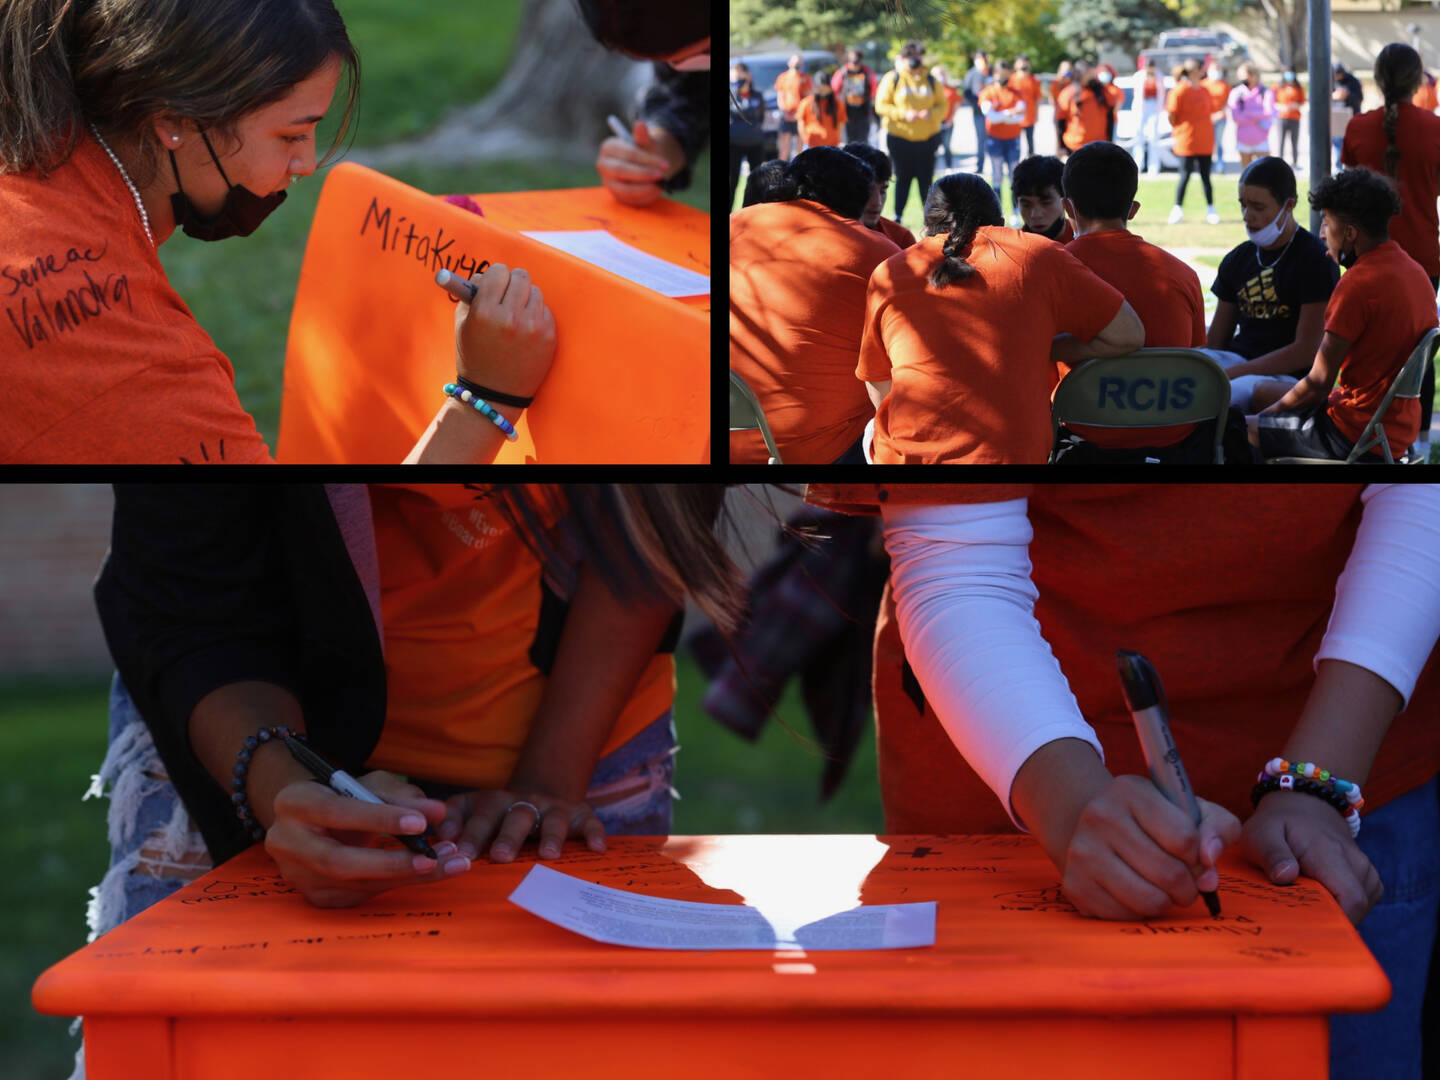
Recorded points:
600,248
647,922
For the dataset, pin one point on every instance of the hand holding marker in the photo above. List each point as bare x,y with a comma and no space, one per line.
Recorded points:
1145,698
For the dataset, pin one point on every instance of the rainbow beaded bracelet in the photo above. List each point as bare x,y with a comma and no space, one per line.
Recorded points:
1309,779
459,393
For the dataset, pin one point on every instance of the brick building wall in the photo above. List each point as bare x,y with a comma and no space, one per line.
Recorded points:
52,539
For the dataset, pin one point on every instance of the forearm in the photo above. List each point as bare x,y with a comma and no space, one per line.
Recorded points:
1305,393
455,438
878,391
604,649
1345,718
1280,362
222,721
1053,787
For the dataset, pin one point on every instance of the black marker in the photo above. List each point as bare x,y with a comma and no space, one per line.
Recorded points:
1145,698
455,285
342,782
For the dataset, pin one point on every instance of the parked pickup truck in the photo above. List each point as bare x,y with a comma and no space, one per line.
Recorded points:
1174,47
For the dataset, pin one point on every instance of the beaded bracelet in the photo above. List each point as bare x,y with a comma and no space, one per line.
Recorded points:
1267,784
1310,771
493,395
242,769
459,393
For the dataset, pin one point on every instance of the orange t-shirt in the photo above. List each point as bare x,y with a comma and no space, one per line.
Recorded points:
102,362
1004,98
1382,306
816,126
1058,86
1219,91
1288,99
953,98
791,87
1028,87
1426,98
1087,120
899,234
798,273
1165,293
970,362
1417,133
1226,588
460,599
1189,109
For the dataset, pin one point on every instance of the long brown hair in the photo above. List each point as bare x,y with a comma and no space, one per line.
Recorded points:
958,205
657,540
1398,72
117,63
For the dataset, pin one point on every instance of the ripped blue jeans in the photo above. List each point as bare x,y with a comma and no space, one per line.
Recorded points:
155,850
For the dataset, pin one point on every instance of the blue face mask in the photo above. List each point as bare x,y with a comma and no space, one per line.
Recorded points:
1289,76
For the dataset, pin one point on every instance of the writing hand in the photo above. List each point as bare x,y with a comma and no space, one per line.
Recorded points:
1292,834
487,818
1134,853
505,336
633,173
324,843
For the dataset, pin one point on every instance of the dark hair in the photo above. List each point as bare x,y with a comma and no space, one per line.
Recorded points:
1398,74
1360,197
1101,180
771,182
829,106
1036,173
913,47
877,159
740,65
117,64
1273,174
959,204
649,29
831,177
656,540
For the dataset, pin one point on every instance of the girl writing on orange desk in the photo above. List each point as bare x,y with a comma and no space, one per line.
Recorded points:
153,123
1287,622
506,648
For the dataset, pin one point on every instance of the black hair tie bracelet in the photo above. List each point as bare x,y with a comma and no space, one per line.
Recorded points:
492,396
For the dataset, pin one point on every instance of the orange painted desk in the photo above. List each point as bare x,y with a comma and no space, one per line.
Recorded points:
371,338
235,976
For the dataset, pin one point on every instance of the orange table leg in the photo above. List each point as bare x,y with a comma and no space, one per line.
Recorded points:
1260,1042
129,1048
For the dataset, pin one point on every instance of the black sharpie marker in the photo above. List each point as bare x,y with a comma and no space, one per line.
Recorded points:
342,782
1145,698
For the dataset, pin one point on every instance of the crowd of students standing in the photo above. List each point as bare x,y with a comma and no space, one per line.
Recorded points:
864,344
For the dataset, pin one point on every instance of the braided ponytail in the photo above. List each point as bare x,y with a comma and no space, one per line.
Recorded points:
1398,73
959,204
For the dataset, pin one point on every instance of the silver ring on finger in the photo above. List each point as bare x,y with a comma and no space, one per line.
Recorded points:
533,809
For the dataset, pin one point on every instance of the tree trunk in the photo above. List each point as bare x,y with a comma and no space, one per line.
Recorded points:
551,102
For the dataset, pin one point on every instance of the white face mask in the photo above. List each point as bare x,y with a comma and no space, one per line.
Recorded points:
1270,233
698,62
1104,77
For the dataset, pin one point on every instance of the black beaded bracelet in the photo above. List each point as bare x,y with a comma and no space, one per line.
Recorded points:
494,397
242,769
1307,787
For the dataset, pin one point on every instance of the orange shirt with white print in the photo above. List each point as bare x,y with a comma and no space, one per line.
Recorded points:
1002,99
461,598
969,362
1383,306
1226,588
101,360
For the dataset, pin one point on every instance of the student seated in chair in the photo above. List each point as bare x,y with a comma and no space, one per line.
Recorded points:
1100,182
1382,307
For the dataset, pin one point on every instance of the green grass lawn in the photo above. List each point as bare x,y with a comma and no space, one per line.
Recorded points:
417,62
52,737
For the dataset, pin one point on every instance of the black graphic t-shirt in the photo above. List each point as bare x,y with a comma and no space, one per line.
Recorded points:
1269,297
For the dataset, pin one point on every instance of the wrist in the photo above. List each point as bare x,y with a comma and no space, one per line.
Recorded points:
271,769
1053,787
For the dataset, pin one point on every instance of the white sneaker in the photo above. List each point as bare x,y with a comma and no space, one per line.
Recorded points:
1211,216
1177,215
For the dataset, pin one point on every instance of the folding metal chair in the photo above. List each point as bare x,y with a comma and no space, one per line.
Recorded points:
746,415
1148,388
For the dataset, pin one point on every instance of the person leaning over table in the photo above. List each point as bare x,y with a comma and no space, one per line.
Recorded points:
507,648
1290,622
152,123
673,117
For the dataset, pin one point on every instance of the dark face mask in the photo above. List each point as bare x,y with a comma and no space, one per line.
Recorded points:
240,216
1054,231
914,62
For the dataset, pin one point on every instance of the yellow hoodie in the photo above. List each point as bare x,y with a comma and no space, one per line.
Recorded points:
900,91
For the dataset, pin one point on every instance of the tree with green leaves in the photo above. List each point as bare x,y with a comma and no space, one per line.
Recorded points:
833,24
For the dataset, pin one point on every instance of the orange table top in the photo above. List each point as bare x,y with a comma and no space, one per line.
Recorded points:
240,942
